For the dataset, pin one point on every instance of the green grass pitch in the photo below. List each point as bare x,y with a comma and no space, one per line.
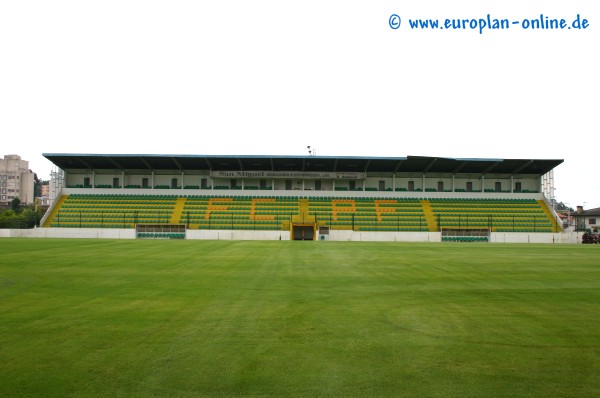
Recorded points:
107,318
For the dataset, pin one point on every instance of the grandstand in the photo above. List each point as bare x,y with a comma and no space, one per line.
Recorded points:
304,197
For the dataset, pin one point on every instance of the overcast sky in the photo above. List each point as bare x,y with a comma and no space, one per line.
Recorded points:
271,77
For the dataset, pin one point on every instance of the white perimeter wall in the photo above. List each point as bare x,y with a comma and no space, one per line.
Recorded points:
85,233
383,236
524,237
334,235
218,234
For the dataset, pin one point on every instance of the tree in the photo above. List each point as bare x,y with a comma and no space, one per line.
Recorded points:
15,204
37,186
27,217
560,206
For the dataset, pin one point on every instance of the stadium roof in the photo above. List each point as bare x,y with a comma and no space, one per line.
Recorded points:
409,164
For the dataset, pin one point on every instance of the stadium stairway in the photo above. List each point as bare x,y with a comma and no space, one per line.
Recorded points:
179,205
55,210
303,207
429,216
555,225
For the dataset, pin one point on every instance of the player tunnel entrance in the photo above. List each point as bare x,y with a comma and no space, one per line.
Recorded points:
304,231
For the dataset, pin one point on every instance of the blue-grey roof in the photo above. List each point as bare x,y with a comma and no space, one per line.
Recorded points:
412,164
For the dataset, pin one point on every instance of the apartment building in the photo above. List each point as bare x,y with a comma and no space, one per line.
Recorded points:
16,180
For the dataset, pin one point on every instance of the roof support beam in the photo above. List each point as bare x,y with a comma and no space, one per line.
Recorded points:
491,167
367,165
86,164
518,169
177,164
459,168
146,164
430,165
398,166
113,161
